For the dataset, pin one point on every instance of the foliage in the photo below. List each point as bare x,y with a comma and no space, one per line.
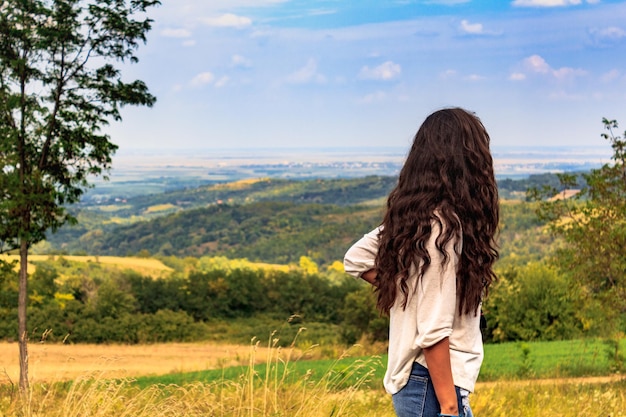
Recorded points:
217,290
138,199
531,302
339,191
98,221
101,303
515,189
274,232
281,233
361,318
522,237
229,299
593,227
58,88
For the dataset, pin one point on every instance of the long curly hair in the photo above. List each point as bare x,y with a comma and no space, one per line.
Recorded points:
447,178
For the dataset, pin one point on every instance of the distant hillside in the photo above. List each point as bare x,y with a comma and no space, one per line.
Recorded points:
341,192
264,220
338,191
277,232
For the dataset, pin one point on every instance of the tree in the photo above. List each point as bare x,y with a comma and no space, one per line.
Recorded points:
531,302
60,84
592,225
360,317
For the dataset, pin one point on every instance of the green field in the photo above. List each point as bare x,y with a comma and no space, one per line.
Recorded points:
503,362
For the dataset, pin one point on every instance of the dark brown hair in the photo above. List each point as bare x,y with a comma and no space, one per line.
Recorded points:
447,178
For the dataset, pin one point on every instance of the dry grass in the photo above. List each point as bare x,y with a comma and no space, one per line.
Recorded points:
564,398
273,393
99,396
160,207
60,362
237,185
147,266
114,207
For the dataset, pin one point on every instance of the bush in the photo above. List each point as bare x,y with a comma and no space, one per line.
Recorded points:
531,302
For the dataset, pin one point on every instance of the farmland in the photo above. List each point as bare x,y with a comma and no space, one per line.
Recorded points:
257,380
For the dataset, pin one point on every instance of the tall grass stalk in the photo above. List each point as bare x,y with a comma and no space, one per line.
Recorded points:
564,398
272,391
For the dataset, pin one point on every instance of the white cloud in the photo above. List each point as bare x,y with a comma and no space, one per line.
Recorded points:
203,78
566,72
611,76
565,96
476,29
447,74
260,34
535,64
228,20
322,12
373,97
551,3
451,75
240,61
176,33
446,2
307,74
471,28
385,72
545,3
607,37
222,81
475,77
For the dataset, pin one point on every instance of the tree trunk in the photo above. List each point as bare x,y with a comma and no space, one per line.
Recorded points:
21,316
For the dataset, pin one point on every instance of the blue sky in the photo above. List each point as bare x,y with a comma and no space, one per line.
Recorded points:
365,73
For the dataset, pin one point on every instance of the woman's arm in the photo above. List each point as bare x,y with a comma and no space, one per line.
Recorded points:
440,370
359,260
370,276
437,307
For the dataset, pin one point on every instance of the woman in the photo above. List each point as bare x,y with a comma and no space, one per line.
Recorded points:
431,263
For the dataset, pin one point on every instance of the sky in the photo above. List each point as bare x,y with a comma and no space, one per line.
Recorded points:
233,74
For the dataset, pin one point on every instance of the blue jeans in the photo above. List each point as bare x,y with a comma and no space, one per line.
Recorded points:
418,399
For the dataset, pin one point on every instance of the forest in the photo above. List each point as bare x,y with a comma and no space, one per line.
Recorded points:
267,220
246,257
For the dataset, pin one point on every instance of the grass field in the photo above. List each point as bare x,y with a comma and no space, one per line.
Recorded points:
61,362
180,363
272,382
148,266
257,380
145,266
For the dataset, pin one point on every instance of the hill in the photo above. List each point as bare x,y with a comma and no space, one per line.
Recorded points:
277,232
264,220
340,191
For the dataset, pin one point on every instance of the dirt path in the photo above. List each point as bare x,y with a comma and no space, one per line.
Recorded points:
552,381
